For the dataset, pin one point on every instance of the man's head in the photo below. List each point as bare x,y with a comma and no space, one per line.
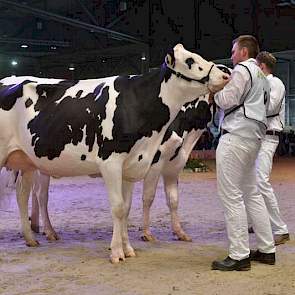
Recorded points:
244,47
266,61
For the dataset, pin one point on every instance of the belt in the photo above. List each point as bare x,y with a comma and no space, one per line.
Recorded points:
223,131
273,132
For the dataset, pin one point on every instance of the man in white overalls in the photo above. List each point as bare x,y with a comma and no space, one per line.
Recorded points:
275,124
244,100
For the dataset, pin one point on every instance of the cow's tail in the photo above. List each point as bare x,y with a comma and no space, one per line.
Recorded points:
7,186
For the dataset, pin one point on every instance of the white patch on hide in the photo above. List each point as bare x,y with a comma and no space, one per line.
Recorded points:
108,124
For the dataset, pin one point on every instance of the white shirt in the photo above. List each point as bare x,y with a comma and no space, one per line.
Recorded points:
276,104
233,95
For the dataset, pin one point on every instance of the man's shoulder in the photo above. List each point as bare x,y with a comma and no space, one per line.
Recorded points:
243,68
248,66
277,81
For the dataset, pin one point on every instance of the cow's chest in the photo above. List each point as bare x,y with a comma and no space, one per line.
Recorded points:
138,161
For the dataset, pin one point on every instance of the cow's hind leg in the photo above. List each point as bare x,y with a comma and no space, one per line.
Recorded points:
35,224
127,190
149,192
112,175
40,191
23,189
171,189
35,206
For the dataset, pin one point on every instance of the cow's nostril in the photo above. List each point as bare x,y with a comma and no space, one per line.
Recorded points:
224,77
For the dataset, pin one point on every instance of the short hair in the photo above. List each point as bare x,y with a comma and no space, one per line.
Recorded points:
250,42
268,59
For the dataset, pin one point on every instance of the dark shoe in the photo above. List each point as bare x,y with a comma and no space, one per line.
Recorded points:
266,258
229,264
281,239
250,230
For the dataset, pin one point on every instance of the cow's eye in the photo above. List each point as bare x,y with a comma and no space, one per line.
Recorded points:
201,69
189,62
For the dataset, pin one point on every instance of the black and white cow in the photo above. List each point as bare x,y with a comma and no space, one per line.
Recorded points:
110,126
177,144
171,157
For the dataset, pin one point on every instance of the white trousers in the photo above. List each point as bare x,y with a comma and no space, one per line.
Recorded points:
263,168
237,189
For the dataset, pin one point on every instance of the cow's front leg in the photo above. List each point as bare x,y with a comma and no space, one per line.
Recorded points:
40,190
112,175
149,192
127,190
23,189
171,189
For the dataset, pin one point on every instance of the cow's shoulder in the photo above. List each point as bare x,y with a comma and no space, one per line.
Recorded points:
140,97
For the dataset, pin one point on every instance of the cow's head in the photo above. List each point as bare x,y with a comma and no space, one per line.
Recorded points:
193,69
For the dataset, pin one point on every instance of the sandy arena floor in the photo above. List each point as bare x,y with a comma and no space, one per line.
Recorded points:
78,263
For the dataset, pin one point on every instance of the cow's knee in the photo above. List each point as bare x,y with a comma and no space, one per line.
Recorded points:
173,203
148,200
172,199
118,210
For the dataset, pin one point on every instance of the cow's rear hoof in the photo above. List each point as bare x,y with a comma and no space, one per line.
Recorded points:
52,237
32,243
148,238
182,236
35,228
185,238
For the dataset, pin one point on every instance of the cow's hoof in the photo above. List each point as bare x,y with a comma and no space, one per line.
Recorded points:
32,243
116,259
184,237
117,256
129,252
147,237
35,228
52,237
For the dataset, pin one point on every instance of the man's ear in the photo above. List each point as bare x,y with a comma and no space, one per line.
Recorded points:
245,51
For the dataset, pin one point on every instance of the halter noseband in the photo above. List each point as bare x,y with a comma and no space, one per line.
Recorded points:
202,81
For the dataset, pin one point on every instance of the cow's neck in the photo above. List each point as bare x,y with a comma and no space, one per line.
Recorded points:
178,93
157,110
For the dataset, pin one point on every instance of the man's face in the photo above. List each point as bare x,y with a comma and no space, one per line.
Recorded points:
236,54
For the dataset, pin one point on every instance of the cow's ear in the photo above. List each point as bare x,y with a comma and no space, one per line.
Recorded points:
170,59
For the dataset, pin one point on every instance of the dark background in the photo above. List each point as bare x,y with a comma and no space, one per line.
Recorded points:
102,38
207,27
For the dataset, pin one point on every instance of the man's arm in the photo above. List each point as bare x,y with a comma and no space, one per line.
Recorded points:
277,93
231,94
